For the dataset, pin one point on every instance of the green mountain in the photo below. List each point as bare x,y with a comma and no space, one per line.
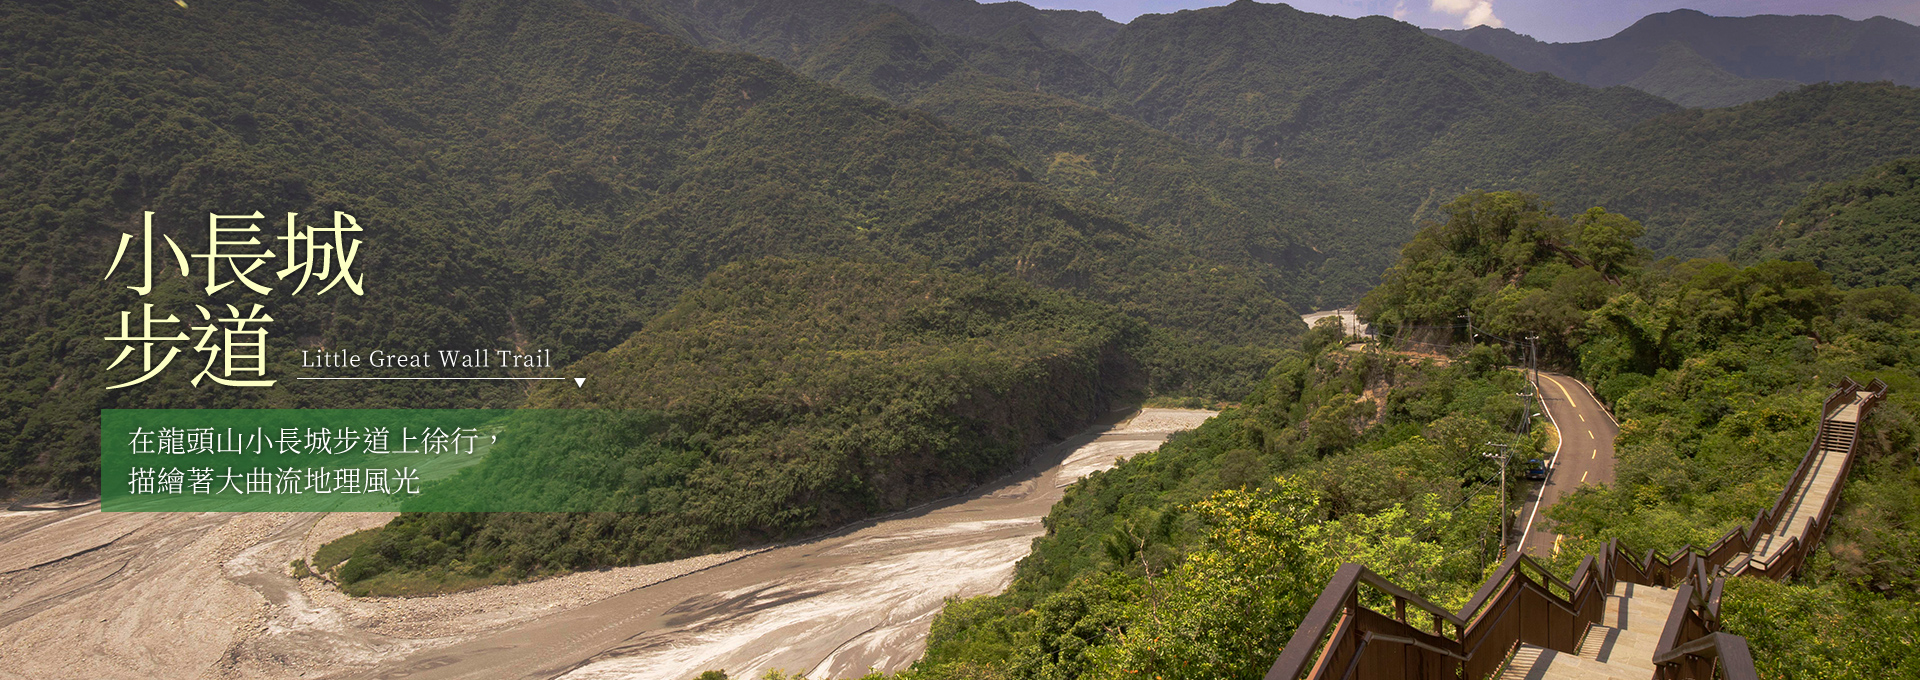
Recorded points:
529,175
1371,101
1689,79
1700,60
1860,230
1071,30
1314,241
571,170
1305,147
1406,119
1703,180
1315,223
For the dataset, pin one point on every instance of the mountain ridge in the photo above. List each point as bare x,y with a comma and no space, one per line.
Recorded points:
540,174
1750,57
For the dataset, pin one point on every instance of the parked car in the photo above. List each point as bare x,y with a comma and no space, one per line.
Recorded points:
1536,469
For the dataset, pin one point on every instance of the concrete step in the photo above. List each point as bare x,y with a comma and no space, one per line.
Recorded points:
1625,648
1539,663
1735,562
1637,617
1635,607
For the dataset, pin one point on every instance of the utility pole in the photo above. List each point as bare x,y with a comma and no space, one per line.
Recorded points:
1533,365
1502,457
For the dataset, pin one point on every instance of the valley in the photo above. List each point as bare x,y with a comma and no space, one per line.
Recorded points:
175,595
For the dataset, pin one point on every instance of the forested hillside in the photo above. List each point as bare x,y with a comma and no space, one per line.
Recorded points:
1413,120
1716,373
1294,129
1700,60
1703,180
1315,241
778,398
1070,30
1514,265
529,175
830,258
1861,230
1197,560
1372,101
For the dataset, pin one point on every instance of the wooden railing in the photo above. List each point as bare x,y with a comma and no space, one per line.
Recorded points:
1787,560
1518,604
1522,602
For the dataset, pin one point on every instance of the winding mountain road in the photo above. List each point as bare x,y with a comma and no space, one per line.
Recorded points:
1585,455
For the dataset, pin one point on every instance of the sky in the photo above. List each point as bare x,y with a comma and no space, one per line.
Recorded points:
1549,20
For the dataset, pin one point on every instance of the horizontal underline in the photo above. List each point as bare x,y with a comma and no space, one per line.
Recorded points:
429,378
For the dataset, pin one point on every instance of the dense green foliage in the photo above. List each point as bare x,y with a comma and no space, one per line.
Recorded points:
1312,241
781,397
1710,436
1830,631
537,176
1716,373
1196,560
1408,120
1702,180
1700,60
1070,30
1516,267
1687,78
1338,134
1059,205
1859,230
1315,242
1372,101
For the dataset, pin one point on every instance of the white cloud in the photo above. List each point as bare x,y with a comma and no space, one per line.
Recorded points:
1471,12
1400,10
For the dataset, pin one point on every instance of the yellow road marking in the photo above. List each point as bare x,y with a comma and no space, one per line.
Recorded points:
1582,417
1563,389
1583,478
1590,435
1596,454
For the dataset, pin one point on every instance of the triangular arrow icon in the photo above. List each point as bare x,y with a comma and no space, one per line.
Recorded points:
579,382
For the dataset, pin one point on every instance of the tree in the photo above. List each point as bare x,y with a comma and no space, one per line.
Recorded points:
1605,241
1235,599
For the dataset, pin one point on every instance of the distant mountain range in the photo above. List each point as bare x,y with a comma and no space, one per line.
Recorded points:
574,166
1305,147
1706,61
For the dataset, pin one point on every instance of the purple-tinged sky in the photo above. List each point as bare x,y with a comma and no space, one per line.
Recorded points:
1549,20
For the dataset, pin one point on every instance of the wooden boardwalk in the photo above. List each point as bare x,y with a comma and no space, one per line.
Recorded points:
1837,435
1620,647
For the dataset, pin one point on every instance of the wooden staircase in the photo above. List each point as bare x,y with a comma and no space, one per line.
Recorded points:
1833,448
1619,647
1622,616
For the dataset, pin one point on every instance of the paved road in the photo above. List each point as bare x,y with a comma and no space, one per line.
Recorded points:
1347,317
1585,455
834,606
